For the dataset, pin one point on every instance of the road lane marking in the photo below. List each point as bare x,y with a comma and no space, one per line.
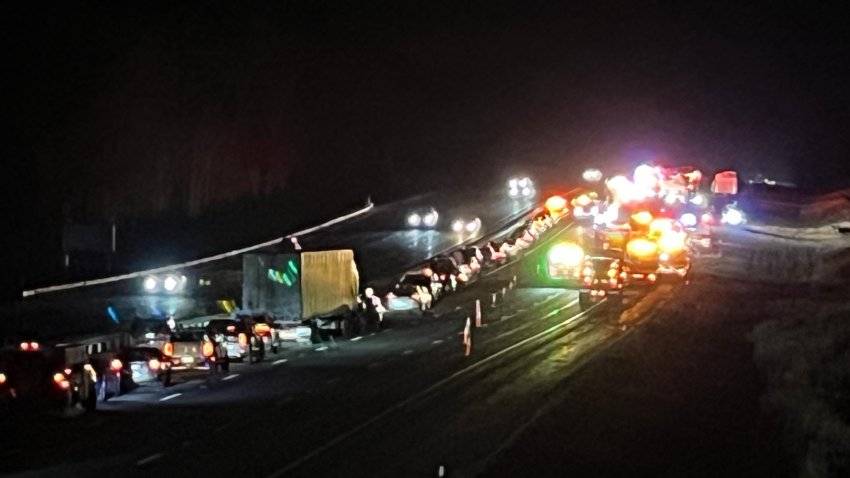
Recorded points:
342,437
437,342
355,339
407,352
278,362
321,349
372,334
146,460
231,377
173,395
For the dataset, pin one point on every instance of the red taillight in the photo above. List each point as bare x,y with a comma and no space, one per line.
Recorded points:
67,371
60,380
2,378
34,345
231,328
207,349
25,345
153,364
115,365
262,329
243,340
168,349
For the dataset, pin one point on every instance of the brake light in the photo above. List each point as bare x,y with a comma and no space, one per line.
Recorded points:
60,380
207,349
25,346
154,364
231,328
115,365
34,345
243,340
2,378
67,371
168,349
262,329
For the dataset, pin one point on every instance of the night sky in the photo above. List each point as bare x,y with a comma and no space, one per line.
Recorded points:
171,108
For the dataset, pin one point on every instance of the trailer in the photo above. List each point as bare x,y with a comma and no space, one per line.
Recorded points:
315,288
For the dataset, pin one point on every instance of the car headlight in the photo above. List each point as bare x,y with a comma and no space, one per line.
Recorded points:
170,283
733,217
150,283
473,226
526,192
430,219
414,220
457,226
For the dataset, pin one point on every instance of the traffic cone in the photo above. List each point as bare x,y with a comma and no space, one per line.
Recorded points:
478,312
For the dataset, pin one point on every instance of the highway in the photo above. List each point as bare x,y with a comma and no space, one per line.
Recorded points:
412,399
317,408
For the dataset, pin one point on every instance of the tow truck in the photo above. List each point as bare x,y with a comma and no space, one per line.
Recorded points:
56,377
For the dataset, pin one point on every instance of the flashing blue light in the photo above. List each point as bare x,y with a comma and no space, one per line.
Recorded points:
113,314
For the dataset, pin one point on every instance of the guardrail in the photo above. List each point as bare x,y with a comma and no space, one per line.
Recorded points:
236,252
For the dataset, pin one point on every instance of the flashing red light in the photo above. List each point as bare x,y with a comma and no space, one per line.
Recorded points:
168,349
207,349
60,380
115,365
